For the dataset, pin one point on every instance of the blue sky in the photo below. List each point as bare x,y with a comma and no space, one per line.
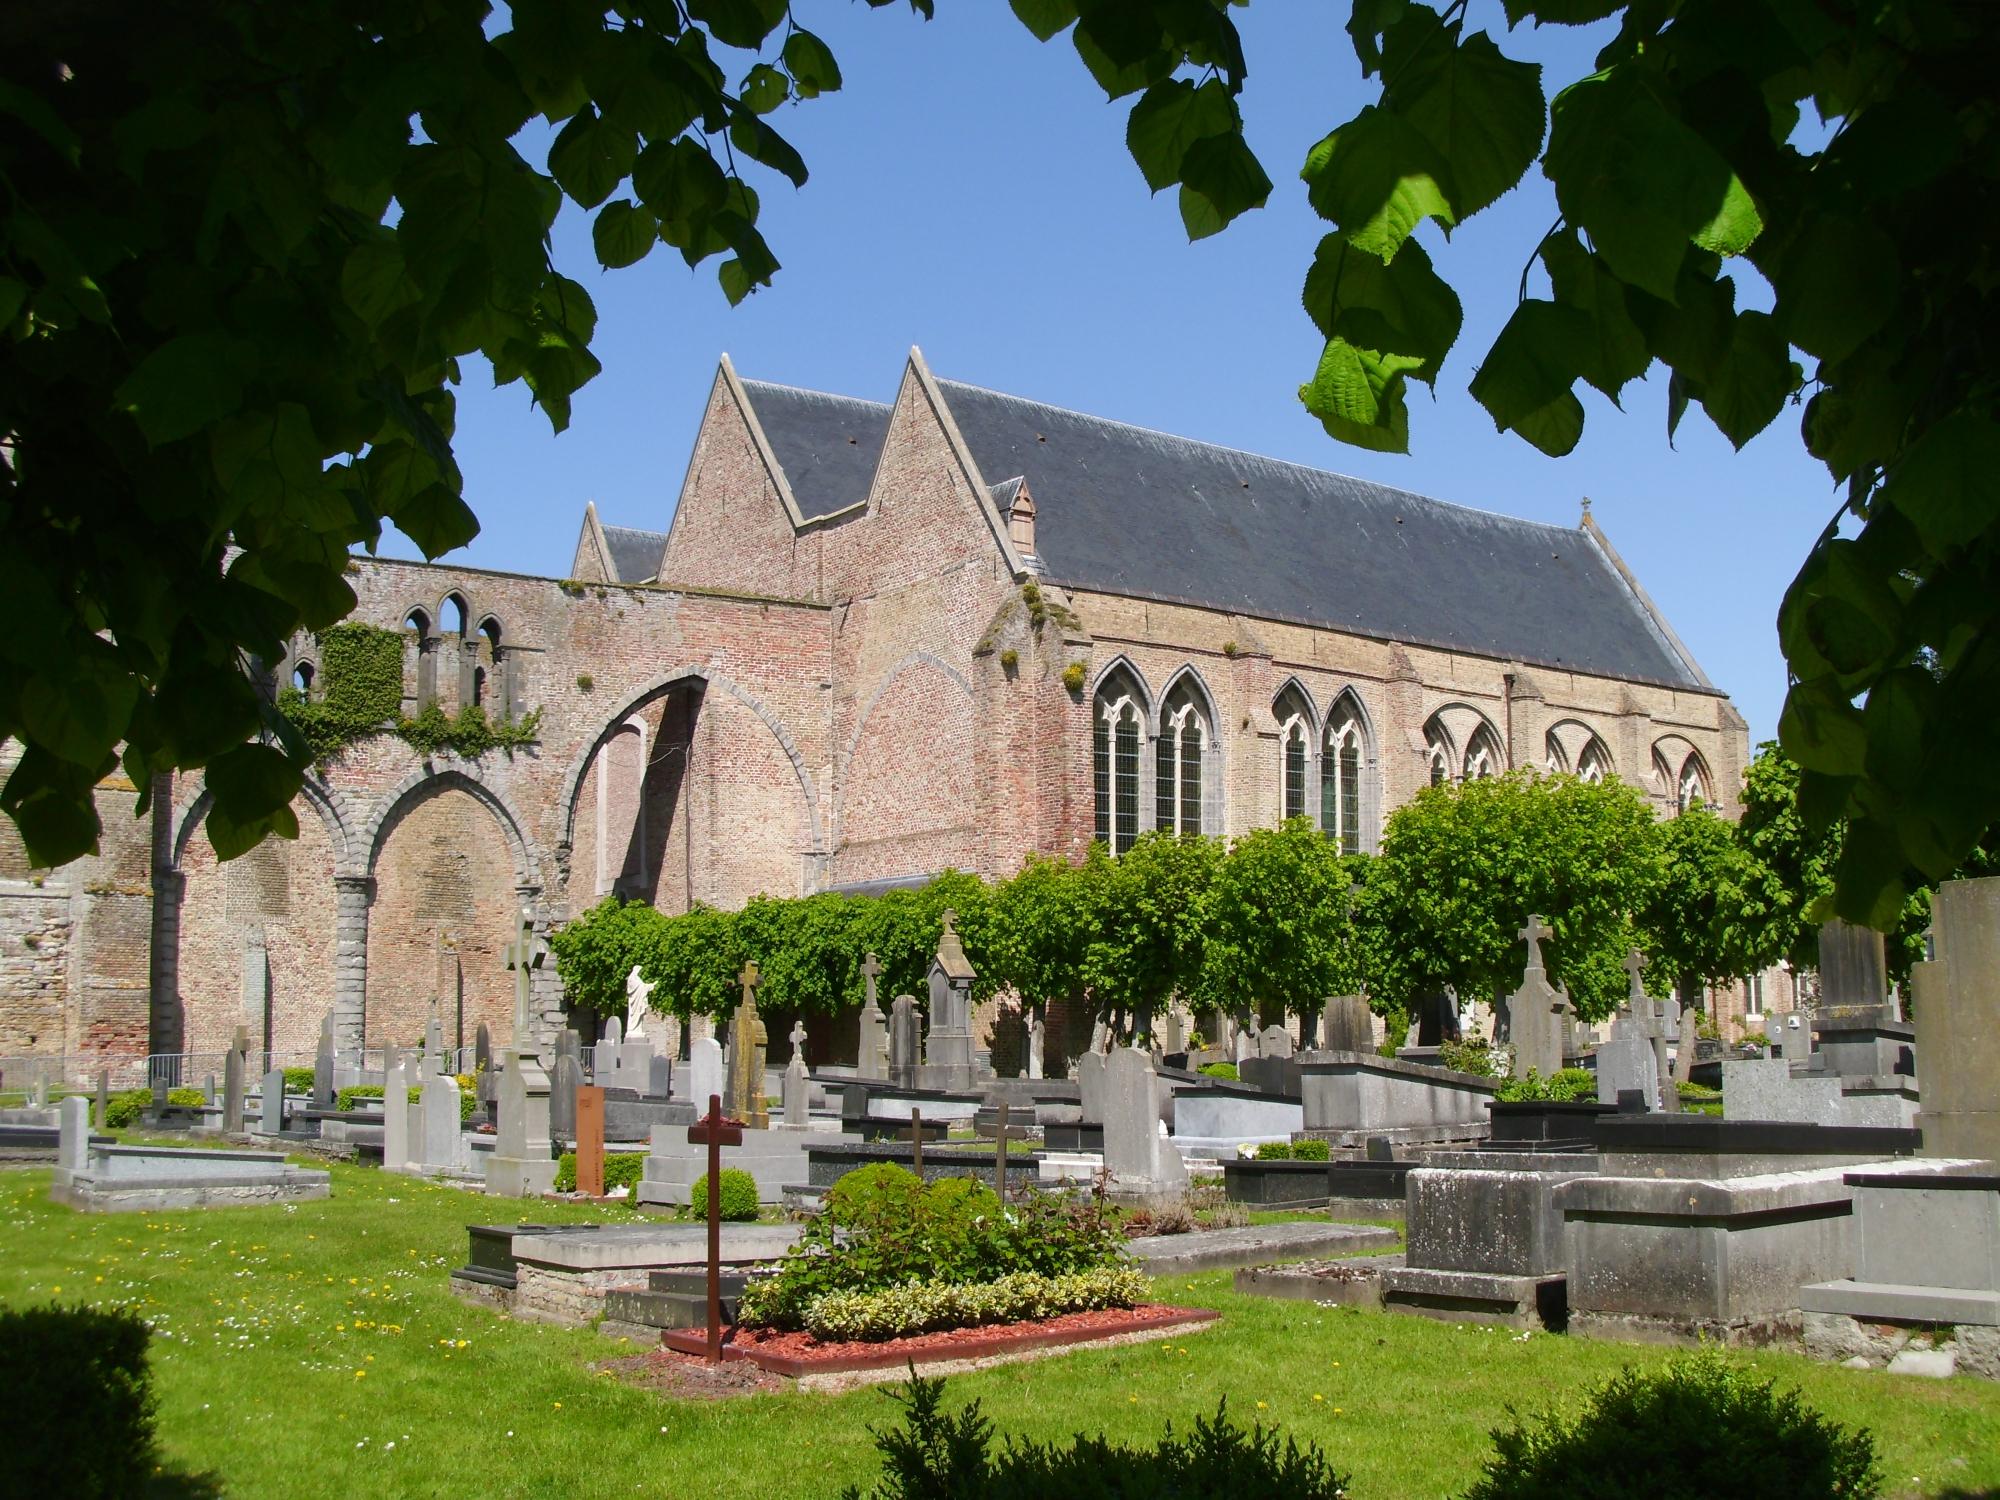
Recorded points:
971,194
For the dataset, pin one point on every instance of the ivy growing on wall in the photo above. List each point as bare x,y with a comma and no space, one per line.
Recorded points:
361,677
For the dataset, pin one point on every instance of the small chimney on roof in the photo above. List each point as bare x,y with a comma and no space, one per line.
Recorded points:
1021,523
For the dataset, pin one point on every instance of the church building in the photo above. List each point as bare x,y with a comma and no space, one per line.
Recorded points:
876,641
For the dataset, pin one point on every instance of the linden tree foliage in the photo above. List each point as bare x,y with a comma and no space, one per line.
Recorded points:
244,249
1153,923
1462,867
1842,151
1043,922
1714,916
1280,932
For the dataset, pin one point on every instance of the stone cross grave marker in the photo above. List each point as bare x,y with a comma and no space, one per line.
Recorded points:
715,1131
1652,1025
590,1141
871,1049
748,1043
905,1041
798,1083
232,1081
1536,1011
524,955
323,1065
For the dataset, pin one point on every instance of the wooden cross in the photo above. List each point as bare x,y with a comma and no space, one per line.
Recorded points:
716,1130
1001,1135
915,1134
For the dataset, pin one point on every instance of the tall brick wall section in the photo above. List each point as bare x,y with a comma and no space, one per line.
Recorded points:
287,889
908,800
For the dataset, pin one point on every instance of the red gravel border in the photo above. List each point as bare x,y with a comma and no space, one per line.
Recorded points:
796,1354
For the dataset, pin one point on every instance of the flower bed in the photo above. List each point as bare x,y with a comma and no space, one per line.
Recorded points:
796,1353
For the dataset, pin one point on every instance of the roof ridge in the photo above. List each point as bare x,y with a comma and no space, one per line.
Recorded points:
802,390
1263,458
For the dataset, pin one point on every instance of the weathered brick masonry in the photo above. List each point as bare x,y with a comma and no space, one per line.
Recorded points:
827,672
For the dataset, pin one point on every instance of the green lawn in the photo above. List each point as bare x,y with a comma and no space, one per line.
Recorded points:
295,1345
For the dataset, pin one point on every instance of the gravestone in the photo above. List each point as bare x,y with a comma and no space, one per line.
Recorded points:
395,1113
1037,1044
871,1050
706,1074
233,1065
256,981
1139,1157
590,1141
614,1034
659,1076
103,1101
1090,1087
638,1006
1348,1026
521,1165
798,1083
211,1095
1246,1045
1856,1030
1957,1004
323,1064
1537,1011
271,1103
948,1060
160,1092
1633,1059
72,1137
482,1054
905,1041
1853,969
438,1107
748,1044
1274,1041
565,1078
1437,1019
1173,1032
1684,1055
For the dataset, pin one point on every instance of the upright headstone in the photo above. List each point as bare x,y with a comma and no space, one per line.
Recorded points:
1853,969
565,1078
1632,1060
103,1100
614,1033
1090,1087
1136,1153
948,1048
748,1044
482,1051
72,1137
521,1166
871,1050
438,1106
1274,1041
659,1076
160,1093
1037,1044
271,1103
211,1095
1684,1053
705,1070
1173,1031
590,1141
1246,1045
1957,1003
323,1065
1349,1026
905,1041
396,1113
798,1083
1536,1012
233,1086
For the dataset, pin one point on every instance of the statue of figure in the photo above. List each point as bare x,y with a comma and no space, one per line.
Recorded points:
638,1005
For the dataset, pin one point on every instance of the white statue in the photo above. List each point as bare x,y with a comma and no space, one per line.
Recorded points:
638,1005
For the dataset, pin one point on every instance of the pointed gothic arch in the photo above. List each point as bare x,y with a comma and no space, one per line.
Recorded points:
1298,749
1120,711
1350,793
1187,758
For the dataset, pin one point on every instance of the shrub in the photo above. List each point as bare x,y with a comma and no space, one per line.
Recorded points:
123,1109
939,1455
1221,1070
1311,1150
1274,1151
739,1195
298,1080
1565,1085
1630,1438
344,1100
78,1418
1072,677
928,1306
624,1169
1475,1055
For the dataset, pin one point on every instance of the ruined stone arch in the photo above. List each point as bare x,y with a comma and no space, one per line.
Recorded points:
861,721
428,781
329,802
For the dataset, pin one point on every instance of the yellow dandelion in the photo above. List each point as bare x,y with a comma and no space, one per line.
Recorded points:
358,1374
1336,1411
1318,1397
1263,1406
558,1406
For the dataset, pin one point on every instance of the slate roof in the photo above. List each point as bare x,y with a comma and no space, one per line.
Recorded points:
827,445
1127,510
635,555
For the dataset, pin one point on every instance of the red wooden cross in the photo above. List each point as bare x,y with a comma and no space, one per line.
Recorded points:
716,1130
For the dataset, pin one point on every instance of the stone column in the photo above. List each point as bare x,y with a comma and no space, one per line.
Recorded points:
353,894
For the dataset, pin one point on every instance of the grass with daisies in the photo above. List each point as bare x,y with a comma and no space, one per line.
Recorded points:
316,1350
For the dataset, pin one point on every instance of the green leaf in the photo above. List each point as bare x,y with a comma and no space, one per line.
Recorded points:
1837,285
679,180
437,520
1358,396
1946,483
1378,178
761,143
51,802
252,781
1045,17
1367,21
1736,223
1821,731
1561,12
764,89
1401,308
232,837
810,62
1615,351
12,295
1533,363
1222,172
1483,111
735,279
1555,428
1751,385
589,158
183,386
375,280
1635,179
80,713
1169,118
623,233
739,23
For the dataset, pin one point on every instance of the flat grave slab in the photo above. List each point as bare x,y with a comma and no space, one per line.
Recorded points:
1253,1245
1353,1282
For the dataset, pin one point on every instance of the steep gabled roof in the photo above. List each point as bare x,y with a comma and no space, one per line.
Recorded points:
1127,510
635,555
827,445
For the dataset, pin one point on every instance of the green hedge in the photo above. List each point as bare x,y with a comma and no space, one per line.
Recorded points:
298,1080
1566,1085
1219,1070
621,1169
927,1306
123,1109
1306,1150
77,1420
344,1100
738,1196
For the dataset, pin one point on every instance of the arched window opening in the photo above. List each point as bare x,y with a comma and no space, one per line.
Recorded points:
426,684
302,678
1117,726
1439,752
451,615
1177,765
1693,787
1295,752
502,694
1594,764
1553,755
420,622
1340,782
1482,757
479,687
